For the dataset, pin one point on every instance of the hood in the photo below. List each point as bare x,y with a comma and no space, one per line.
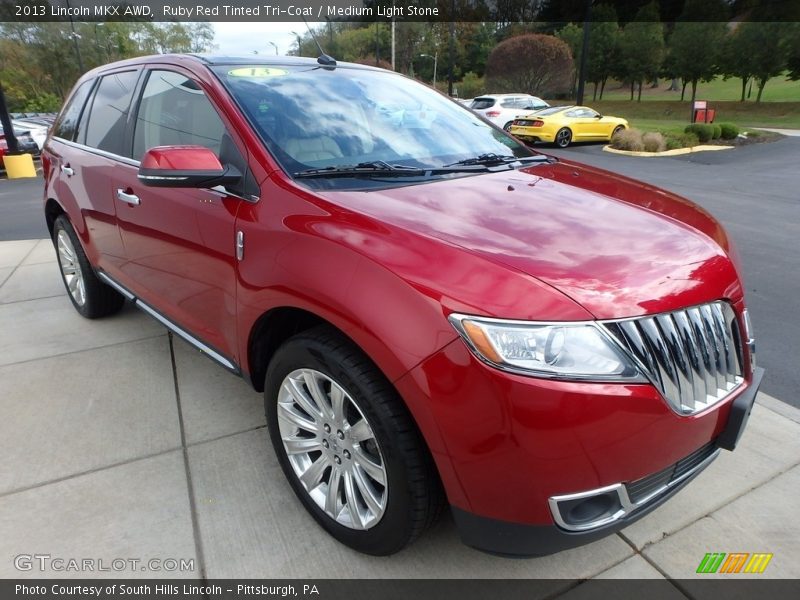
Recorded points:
617,247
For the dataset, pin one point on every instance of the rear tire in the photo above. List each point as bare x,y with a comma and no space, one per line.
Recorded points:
91,297
563,137
330,414
507,126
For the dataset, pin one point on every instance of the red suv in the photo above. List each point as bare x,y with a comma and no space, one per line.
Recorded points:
434,312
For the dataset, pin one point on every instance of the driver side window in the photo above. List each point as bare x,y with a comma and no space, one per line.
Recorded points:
175,111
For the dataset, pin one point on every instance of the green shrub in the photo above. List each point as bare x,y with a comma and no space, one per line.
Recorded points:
729,131
653,142
703,131
629,139
681,140
717,132
673,143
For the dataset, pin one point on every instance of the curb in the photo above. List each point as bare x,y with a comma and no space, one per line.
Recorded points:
676,152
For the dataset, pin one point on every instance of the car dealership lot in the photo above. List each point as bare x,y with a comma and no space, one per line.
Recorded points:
166,456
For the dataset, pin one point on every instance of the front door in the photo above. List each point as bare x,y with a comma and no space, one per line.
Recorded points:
180,243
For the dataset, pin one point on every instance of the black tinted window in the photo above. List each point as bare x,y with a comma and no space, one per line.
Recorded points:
482,103
175,111
112,100
68,123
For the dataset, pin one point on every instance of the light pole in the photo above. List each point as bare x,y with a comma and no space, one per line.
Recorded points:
274,45
75,36
435,58
297,35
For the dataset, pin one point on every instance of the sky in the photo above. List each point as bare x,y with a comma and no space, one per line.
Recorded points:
247,38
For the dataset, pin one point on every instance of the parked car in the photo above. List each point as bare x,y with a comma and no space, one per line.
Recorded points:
37,131
551,349
501,109
24,142
563,125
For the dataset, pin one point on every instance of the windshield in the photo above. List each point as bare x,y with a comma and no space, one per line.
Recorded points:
313,118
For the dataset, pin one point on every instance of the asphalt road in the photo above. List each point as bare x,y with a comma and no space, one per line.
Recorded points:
754,191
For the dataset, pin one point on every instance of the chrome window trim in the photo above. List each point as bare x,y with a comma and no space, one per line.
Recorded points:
97,151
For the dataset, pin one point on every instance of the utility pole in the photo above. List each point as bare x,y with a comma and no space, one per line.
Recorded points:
587,23
75,37
452,58
8,129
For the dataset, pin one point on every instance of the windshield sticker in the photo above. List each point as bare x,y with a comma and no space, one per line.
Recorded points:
257,72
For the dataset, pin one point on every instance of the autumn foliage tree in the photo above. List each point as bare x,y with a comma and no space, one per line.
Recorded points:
532,63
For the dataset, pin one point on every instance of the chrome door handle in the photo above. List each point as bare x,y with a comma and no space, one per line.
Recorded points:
68,171
132,199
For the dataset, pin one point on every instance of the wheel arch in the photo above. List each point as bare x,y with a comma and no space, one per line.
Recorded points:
278,324
52,210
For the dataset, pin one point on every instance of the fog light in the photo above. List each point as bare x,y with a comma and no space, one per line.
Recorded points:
587,510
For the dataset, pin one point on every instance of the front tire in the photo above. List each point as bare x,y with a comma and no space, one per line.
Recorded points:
91,297
347,444
563,137
507,126
617,129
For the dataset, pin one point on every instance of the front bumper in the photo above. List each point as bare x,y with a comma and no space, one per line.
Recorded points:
508,444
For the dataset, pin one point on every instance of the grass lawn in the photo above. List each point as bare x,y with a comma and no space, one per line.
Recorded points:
778,89
672,114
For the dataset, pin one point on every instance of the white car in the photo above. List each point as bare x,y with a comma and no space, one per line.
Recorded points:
501,109
37,131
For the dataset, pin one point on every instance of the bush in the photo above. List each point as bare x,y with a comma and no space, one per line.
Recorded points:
703,131
681,140
470,86
654,142
629,139
717,132
729,131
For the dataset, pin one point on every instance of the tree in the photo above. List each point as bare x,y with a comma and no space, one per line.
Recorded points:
733,62
641,48
696,41
792,50
604,47
762,43
572,36
532,63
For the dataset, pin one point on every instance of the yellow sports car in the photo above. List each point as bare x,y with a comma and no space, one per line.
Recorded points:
563,125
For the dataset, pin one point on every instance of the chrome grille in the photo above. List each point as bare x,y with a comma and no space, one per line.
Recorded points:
693,356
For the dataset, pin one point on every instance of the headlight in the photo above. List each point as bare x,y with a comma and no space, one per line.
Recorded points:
580,351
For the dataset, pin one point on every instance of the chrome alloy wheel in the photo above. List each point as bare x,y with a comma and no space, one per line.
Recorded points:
332,449
70,268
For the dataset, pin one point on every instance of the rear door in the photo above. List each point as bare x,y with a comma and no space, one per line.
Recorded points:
86,147
180,243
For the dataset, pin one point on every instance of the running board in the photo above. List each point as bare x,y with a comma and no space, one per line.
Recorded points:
139,303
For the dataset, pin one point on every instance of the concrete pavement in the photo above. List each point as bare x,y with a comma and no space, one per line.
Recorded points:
120,442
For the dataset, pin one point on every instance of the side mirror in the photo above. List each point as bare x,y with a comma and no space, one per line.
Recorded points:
185,167
598,116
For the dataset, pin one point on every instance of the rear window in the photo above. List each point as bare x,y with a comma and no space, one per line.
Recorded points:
482,103
106,127
68,123
552,110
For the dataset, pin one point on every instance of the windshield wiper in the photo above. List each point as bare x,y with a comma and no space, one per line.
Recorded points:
491,159
376,168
